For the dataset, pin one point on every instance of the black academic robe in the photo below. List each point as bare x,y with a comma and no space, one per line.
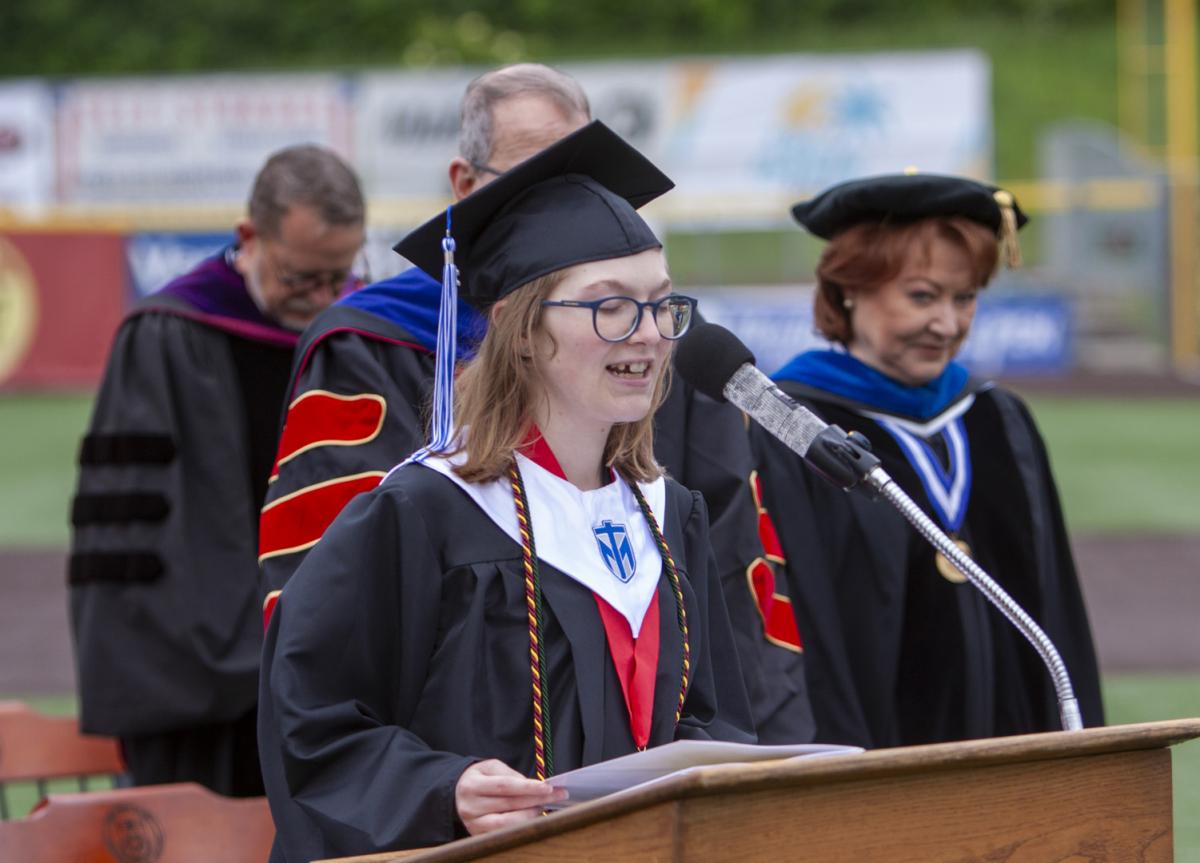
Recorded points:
702,444
163,575
398,655
348,352
896,653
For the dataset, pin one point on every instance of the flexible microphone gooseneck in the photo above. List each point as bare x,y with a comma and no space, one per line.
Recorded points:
714,361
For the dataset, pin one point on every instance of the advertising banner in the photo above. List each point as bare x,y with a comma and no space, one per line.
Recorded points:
26,146
738,136
406,131
189,140
798,123
1012,335
62,295
406,123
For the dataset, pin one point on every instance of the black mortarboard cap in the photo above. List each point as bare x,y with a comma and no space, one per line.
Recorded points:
573,202
908,197
902,197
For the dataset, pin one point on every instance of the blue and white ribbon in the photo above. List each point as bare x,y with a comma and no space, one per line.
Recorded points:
948,489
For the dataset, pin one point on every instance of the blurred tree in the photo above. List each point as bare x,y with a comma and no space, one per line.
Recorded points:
74,37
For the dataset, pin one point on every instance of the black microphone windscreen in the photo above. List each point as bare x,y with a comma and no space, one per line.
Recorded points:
708,356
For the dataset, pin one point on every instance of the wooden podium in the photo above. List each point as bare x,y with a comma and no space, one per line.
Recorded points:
1102,794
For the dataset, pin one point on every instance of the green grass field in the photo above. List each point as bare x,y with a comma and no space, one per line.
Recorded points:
1125,466
40,437
1121,466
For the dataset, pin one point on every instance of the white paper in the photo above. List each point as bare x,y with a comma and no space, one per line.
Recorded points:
651,765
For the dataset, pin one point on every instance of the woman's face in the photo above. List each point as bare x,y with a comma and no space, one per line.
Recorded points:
912,326
588,380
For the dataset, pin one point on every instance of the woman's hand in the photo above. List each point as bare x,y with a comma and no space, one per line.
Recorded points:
491,795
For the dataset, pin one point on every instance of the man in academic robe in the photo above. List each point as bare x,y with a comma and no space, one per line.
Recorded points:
361,379
173,470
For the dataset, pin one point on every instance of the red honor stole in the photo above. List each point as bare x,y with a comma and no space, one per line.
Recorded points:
635,659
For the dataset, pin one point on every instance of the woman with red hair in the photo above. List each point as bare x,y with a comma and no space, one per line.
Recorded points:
899,649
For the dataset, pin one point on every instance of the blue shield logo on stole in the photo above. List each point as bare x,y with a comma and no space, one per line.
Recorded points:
616,550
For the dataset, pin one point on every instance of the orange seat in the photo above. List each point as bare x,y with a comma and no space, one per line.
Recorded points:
35,748
178,823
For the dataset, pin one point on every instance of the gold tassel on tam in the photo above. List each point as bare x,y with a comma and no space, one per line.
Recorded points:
1010,247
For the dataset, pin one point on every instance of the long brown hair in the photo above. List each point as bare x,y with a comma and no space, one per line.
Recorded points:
868,255
495,393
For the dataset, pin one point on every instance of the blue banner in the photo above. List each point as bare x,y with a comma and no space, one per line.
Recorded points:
156,258
1021,335
1013,335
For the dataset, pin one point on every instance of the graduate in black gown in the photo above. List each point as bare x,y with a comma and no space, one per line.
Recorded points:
898,648
528,594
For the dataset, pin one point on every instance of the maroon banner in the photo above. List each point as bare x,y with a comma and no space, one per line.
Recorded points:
62,295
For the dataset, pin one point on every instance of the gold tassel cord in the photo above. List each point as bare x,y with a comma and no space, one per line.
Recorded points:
1010,246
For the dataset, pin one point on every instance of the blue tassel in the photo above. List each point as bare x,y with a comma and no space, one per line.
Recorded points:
442,430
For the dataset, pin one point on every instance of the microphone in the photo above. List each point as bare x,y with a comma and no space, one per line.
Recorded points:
714,361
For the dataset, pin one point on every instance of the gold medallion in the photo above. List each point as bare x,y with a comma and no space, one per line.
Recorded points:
947,569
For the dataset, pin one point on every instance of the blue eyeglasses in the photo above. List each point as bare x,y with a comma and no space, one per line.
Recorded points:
617,318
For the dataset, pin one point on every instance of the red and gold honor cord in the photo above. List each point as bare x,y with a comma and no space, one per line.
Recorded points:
543,751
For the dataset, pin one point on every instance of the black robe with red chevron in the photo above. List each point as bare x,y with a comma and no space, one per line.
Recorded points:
358,389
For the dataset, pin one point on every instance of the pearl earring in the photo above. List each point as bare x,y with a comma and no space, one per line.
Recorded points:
847,304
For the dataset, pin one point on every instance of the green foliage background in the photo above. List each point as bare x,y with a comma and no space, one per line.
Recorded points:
1051,59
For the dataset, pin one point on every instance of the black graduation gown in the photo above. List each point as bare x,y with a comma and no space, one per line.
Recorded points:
163,575
398,655
350,352
701,443
897,654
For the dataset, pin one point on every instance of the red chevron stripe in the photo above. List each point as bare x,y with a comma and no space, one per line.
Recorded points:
767,535
296,521
779,619
320,418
